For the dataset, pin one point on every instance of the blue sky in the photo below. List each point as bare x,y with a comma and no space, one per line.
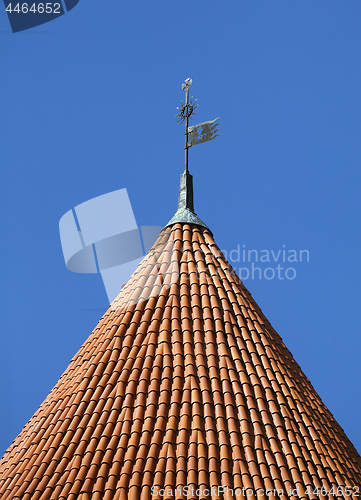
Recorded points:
88,105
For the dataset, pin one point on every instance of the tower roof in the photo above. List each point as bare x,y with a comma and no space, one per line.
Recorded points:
183,383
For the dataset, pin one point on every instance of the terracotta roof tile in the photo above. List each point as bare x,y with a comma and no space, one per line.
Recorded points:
183,382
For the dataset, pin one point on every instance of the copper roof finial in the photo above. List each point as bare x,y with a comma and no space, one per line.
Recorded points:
185,212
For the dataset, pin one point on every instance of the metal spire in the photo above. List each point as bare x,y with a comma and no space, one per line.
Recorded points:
185,212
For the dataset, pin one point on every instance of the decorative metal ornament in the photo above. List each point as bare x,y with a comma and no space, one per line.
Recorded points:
188,83
186,111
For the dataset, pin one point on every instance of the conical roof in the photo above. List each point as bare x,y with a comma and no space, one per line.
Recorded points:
183,384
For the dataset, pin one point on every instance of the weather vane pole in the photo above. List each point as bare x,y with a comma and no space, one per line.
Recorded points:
184,114
192,136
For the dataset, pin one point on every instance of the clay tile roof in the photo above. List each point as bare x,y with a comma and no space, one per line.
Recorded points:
182,383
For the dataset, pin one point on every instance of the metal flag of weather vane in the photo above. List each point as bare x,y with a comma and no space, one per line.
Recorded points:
196,134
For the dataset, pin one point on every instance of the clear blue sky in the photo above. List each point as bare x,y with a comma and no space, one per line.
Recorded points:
87,107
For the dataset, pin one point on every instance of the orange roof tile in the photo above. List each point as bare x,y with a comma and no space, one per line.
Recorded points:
182,383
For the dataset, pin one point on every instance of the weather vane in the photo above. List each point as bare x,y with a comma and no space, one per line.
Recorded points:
192,134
